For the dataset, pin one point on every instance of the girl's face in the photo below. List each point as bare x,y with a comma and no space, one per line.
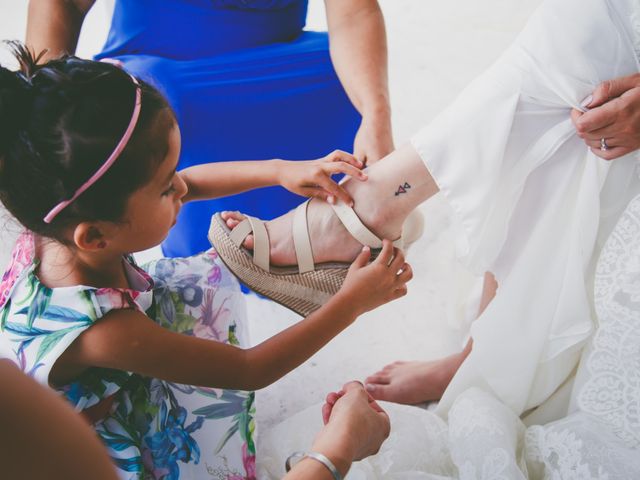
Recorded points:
153,209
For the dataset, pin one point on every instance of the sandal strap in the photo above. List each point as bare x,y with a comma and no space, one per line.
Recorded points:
301,240
357,229
260,239
240,232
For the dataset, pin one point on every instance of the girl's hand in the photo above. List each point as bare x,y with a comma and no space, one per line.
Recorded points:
312,178
369,285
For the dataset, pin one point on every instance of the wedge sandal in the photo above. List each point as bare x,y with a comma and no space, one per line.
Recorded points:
308,286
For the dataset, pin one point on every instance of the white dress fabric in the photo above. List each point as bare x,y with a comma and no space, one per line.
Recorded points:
532,203
535,207
484,439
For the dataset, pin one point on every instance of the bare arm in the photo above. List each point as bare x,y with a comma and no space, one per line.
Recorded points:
215,180
128,340
55,25
358,47
34,419
311,178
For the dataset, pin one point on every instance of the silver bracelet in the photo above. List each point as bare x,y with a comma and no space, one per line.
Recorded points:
317,457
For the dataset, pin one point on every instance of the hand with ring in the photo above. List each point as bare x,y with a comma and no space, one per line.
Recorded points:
611,126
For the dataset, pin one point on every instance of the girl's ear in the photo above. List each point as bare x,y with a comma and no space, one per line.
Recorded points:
90,236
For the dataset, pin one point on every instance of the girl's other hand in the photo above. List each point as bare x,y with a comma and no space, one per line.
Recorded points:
312,178
369,285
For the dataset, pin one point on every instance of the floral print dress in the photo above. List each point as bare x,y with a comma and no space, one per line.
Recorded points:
153,429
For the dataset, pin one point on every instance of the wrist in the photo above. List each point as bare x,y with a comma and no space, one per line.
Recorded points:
275,169
310,467
339,457
347,307
378,111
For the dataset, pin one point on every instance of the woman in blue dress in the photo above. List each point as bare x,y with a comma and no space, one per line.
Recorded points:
246,82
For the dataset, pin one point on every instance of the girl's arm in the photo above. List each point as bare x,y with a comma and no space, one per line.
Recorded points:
310,178
55,25
129,340
358,47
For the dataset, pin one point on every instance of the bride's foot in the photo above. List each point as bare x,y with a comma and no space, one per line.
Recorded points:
395,186
330,240
413,382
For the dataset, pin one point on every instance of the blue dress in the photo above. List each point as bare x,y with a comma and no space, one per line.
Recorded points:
246,82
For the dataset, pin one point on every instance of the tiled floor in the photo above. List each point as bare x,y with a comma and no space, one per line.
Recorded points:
435,49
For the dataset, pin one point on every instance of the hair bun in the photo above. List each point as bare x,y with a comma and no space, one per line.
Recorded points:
14,106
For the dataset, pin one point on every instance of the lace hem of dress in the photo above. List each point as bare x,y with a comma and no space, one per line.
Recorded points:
613,388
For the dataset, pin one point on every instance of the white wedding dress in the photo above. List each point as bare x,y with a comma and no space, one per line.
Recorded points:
534,206
484,439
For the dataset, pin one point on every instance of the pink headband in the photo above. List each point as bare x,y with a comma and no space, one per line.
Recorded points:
112,158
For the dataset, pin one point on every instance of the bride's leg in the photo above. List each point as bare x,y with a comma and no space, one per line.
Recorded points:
396,186
420,381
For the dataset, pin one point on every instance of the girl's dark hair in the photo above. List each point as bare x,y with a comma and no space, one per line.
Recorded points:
59,122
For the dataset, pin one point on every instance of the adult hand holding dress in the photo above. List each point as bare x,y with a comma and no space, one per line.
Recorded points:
612,125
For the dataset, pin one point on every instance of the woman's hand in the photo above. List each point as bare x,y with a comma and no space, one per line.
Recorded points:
614,116
355,425
312,178
373,140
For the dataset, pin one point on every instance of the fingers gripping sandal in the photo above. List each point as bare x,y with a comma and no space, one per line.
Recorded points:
304,288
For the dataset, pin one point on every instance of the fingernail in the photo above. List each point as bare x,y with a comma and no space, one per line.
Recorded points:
369,387
366,248
331,199
364,175
351,204
587,101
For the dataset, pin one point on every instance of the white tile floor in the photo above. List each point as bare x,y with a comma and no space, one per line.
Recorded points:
435,48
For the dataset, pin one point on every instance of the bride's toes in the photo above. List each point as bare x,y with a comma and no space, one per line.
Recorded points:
380,391
410,382
379,378
248,242
393,366
232,220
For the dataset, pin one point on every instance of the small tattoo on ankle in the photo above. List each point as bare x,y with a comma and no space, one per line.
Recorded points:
403,188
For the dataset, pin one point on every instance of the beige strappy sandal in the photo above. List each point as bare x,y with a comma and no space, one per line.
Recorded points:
308,286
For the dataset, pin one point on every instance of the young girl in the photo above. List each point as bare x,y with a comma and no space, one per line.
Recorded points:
88,166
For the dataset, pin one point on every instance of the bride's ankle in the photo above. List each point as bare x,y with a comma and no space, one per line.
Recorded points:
378,216
380,219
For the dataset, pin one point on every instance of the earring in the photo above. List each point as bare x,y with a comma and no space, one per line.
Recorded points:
102,244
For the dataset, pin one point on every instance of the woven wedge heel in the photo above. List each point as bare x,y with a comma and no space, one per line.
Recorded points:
301,292
304,288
